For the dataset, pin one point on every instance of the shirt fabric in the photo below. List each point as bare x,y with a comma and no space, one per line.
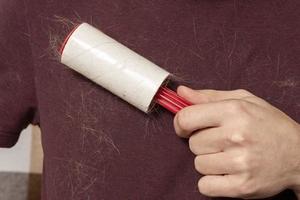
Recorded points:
97,146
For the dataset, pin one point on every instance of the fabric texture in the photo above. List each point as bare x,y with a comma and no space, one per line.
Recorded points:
17,100
97,146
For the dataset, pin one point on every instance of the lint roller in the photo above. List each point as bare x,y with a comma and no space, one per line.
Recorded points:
118,69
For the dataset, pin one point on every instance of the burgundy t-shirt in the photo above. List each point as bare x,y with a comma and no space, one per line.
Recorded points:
97,146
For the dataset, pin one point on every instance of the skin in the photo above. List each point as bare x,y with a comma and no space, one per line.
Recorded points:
244,147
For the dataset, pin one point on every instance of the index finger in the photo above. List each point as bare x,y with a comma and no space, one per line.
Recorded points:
199,116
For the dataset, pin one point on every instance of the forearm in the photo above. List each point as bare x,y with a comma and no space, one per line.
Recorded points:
296,186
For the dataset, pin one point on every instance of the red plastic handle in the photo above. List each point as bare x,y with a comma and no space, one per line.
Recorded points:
170,100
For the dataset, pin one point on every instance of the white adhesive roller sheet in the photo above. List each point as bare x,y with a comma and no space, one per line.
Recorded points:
113,66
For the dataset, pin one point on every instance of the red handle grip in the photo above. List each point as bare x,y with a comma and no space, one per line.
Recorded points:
171,100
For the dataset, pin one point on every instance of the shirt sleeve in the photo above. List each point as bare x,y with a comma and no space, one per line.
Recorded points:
17,91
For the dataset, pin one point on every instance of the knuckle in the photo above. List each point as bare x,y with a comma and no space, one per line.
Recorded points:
243,134
245,117
236,138
247,189
243,92
236,106
243,162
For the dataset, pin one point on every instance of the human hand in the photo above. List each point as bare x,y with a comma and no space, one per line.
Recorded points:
244,146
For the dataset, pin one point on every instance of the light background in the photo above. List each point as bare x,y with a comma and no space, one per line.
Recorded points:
21,167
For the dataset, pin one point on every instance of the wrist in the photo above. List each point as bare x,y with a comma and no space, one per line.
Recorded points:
296,182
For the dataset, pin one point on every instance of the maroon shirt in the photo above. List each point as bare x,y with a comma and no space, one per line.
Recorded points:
97,146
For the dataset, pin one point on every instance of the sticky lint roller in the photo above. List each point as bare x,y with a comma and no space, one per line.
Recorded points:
118,69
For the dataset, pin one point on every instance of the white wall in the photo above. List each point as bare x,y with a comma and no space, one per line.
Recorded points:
26,156
21,166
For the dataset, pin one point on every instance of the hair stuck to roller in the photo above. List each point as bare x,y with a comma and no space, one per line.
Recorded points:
60,28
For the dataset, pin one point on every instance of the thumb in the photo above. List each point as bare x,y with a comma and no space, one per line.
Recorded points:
193,96
206,96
